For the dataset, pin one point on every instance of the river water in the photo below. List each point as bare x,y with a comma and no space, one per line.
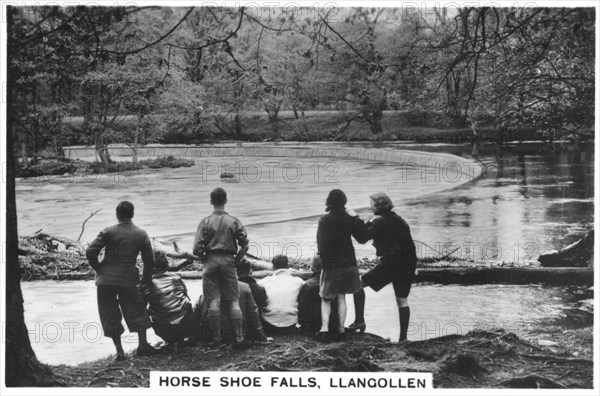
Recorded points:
531,198
67,330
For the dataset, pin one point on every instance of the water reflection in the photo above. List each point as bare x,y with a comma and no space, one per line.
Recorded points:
67,331
530,195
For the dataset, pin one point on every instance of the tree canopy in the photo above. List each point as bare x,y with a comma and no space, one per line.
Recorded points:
201,69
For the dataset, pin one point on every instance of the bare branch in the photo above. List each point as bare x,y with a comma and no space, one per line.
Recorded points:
86,220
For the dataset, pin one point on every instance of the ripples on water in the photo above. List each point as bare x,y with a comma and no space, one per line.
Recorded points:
531,199
67,330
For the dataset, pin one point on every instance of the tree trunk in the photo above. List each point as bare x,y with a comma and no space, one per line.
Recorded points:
22,367
102,151
376,126
134,148
24,156
239,129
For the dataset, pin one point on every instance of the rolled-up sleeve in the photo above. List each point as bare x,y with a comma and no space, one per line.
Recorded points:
147,254
93,250
240,235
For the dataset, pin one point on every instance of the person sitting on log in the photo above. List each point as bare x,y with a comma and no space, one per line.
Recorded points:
244,271
281,312
169,306
251,324
309,303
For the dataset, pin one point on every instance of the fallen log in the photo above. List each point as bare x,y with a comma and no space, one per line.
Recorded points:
578,254
473,275
511,275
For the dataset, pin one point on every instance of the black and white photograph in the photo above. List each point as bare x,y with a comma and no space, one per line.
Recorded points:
302,198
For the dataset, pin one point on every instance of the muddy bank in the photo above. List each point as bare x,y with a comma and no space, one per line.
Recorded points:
479,359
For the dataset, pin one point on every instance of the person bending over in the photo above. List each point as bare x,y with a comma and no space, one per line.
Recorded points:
280,315
394,243
244,271
169,306
309,303
251,325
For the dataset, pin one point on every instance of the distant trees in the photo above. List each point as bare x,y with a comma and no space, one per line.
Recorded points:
205,69
525,69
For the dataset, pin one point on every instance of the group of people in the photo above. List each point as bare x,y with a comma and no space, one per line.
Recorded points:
235,308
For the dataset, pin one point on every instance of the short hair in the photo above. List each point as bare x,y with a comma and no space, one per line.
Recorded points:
244,267
381,202
125,210
280,261
218,196
335,199
161,262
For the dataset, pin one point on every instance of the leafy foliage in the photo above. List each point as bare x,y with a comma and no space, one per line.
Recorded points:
137,75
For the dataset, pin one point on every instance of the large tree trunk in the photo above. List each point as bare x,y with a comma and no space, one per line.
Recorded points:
239,129
376,126
102,151
22,367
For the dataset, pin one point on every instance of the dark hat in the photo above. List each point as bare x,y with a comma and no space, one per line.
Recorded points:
336,199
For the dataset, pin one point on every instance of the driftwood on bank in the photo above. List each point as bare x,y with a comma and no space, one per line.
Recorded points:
578,254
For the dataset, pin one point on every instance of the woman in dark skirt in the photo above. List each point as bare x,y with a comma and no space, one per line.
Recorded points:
394,244
339,275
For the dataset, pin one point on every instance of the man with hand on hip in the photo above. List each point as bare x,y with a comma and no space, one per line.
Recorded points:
216,243
117,279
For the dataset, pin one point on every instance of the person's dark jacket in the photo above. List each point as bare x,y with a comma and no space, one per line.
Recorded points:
169,306
334,238
122,243
258,291
393,241
309,307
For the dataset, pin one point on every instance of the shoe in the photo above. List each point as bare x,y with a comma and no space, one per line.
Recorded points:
147,351
263,341
402,342
239,345
120,358
216,344
168,347
323,336
189,342
356,327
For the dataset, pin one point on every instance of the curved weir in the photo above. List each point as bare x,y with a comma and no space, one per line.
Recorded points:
278,189
456,169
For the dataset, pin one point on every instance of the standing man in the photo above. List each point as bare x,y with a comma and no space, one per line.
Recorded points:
117,279
216,244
